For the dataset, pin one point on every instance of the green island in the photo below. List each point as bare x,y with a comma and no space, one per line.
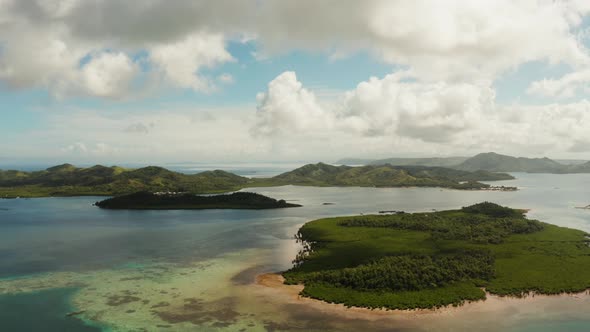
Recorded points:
68,180
436,259
184,201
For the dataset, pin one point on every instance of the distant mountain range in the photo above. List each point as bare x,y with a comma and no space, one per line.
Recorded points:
431,162
492,162
435,162
500,163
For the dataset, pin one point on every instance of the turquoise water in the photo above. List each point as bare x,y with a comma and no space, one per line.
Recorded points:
51,235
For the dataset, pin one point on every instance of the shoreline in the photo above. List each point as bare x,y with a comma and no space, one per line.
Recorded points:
4,191
256,187
290,293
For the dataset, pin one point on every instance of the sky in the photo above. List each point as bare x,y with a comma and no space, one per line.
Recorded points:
171,81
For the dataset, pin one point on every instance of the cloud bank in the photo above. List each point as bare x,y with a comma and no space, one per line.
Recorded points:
445,117
46,43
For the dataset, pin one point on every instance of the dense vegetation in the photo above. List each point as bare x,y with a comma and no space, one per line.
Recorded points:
410,272
162,201
387,176
480,223
68,180
426,260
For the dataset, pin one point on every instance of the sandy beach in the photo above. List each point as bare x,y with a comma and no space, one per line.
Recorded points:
493,306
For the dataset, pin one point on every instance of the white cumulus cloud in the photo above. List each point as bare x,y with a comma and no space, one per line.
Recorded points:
180,61
288,107
398,112
394,105
109,75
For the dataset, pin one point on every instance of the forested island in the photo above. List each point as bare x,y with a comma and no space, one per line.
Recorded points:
68,180
185,201
322,174
435,259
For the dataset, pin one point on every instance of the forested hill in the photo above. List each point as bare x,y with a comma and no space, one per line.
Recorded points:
68,180
386,176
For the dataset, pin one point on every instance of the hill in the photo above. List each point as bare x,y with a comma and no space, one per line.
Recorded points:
494,162
578,168
68,180
434,259
431,162
386,176
354,161
184,201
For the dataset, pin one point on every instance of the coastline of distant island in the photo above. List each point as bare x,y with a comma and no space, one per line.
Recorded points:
68,180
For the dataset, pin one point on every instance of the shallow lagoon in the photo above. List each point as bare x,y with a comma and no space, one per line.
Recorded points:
183,270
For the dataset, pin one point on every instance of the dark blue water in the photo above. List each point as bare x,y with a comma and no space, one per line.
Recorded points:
40,311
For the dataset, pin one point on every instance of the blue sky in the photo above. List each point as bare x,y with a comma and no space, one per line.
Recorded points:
512,78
